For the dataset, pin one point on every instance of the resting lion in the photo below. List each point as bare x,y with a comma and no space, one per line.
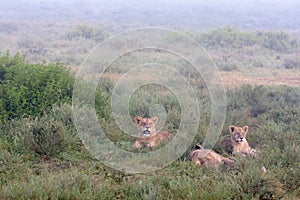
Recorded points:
208,157
147,135
237,143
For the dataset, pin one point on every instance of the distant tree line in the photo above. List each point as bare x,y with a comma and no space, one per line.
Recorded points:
231,37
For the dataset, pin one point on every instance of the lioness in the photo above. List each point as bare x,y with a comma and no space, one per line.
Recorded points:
237,143
147,135
208,157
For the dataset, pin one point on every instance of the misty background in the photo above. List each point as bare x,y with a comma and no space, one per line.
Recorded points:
249,14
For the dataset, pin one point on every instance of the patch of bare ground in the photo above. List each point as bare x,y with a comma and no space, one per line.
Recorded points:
262,77
237,78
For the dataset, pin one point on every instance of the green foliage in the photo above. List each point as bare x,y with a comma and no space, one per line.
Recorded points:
231,37
99,97
277,41
30,89
7,61
102,105
278,103
64,114
147,96
87,32
61,185
39,136
226,37
53,135
179,181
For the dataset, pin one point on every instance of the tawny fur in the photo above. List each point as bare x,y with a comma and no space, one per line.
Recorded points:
147,135
208,157
237,143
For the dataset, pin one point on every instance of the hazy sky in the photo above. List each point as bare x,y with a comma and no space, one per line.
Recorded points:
241,13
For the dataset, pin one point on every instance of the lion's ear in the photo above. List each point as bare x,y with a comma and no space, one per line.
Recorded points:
154,119
245,128
138,119
231,129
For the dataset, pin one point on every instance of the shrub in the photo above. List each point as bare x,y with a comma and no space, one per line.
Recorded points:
230,37
292,62
63,114
38,136
87,32
29,89
277,41
227,37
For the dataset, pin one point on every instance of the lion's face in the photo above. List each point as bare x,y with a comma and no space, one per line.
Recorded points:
238,133
146,126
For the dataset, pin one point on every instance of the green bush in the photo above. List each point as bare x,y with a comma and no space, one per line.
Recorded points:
52,135
279,103
230,37
277,41
84,31
30,89
64,114
226,37
36,136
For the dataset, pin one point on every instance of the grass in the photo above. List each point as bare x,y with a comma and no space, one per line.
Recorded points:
71,172
181,180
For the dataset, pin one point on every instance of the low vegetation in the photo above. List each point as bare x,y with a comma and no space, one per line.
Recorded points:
231,37
42,157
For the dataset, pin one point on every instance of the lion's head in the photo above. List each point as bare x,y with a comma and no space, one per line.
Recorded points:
238,133
146,126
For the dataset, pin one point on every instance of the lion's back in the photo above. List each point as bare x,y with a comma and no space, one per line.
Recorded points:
165,134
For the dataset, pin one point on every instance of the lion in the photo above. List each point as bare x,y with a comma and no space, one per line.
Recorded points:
208,157
237,143
147,135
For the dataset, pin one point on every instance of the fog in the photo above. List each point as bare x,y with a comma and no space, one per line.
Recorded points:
249,14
